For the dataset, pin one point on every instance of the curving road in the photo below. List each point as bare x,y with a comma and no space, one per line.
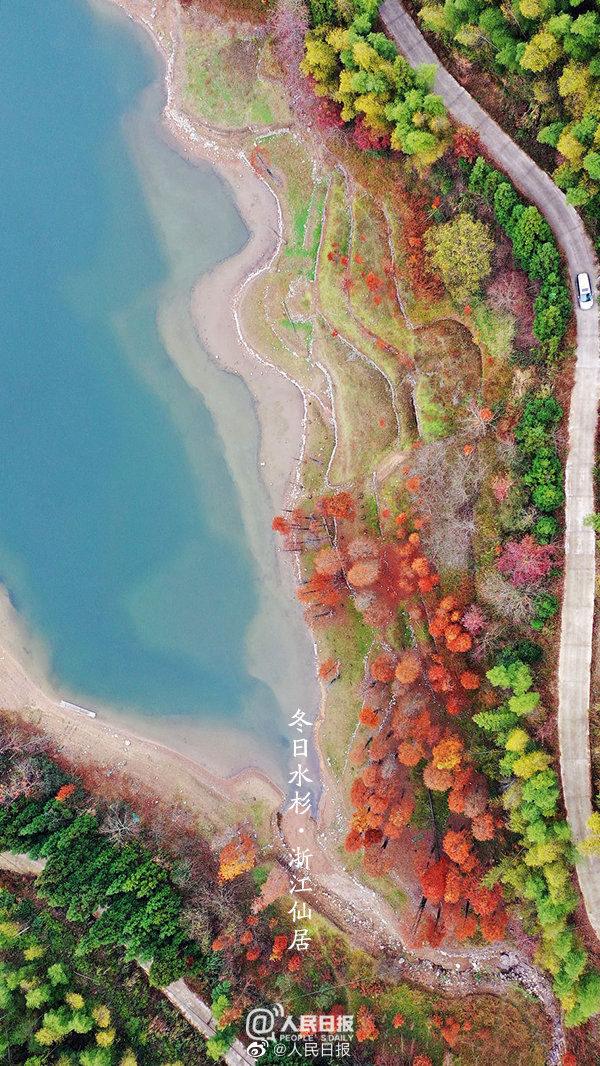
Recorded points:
579,579
194,1009
200,1016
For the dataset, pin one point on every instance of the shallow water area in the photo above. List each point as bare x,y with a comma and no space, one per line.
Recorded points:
134,528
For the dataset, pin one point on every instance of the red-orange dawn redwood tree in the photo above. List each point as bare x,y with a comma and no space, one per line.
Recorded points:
416,698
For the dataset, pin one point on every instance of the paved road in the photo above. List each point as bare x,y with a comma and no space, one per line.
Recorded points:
197,1012
21,864
578,599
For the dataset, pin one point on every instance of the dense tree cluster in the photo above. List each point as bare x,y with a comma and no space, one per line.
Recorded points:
417,694
68,979
534,435
461,252
340,12
496,834
534,249
125,895
530,557
97,1012
112,885
373,86
539,874
556,48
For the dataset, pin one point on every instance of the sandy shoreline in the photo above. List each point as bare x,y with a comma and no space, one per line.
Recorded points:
279,401
156,769
279,406
217,298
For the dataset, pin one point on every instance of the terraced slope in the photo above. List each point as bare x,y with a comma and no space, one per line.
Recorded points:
578,599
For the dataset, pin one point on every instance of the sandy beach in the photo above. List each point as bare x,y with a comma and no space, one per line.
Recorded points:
119,755
218,298
217,304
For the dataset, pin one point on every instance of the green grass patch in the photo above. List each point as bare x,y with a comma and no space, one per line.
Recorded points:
223,84
314,227
496,330
432,418
297,327
363,402
289,156
357,320
319,445
371,258
349,643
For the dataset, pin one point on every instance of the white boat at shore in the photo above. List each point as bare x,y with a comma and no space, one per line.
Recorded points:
75,707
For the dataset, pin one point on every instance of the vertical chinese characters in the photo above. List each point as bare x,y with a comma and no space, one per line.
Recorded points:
300,805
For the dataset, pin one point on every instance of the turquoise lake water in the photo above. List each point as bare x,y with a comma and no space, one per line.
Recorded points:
123,539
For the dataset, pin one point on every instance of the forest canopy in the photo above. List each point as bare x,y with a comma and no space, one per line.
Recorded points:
549,49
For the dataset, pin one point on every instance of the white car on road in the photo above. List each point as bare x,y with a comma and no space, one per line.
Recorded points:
584,292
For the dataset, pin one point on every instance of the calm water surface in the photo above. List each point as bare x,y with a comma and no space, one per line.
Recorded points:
125,542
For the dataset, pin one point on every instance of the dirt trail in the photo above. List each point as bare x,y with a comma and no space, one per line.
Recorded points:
374,925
